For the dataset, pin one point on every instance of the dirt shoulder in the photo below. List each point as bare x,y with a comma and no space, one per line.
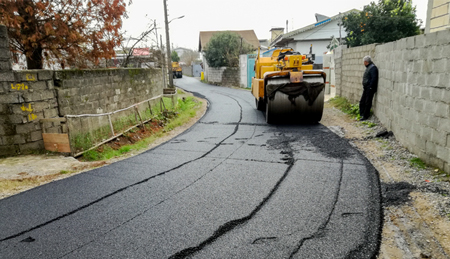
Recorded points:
416,201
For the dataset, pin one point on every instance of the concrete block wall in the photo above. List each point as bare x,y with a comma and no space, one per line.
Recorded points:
352,69
225,76
30,95
413,98
231,77
26,98
187,70
214,75
104,90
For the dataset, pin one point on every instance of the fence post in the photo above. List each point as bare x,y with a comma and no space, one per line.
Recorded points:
110,125
139,114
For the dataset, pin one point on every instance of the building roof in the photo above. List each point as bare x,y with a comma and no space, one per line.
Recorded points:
322,20
249,37
277,29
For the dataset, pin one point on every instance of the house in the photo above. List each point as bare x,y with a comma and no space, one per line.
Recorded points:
438,16
318,34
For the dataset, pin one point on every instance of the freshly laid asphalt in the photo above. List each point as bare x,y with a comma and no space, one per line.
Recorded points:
231,186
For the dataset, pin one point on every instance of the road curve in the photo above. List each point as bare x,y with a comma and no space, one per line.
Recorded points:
231,186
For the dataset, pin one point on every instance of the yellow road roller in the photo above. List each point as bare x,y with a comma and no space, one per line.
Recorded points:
177,70
287,88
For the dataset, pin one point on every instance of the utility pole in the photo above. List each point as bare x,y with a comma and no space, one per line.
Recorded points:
168,46
340,24
163,63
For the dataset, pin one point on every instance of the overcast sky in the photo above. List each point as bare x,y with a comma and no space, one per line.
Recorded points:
212,15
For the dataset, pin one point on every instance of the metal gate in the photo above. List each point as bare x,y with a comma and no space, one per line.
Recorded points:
197,70
250,68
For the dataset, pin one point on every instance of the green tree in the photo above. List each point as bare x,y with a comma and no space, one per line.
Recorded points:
389,20
224,48
174,56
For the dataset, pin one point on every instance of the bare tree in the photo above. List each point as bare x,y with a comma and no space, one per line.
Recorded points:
189,56
143,37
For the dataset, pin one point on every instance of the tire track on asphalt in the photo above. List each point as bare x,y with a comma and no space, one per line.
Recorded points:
126,187
322,227
230,225
161,202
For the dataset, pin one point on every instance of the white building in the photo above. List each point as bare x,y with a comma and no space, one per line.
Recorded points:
318,34
438,16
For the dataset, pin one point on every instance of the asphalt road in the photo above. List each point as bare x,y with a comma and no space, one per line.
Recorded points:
231,186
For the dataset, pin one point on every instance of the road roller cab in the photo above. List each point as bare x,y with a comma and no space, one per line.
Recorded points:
287,88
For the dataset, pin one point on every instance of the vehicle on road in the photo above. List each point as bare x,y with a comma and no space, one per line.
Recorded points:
287,88
176,70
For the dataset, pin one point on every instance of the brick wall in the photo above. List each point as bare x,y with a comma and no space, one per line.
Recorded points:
30,95
413,98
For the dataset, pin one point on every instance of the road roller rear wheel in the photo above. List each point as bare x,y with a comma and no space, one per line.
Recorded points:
281,109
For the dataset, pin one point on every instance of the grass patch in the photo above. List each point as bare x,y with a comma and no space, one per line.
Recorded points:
369,124
84,141
106,153
124,149
417,163
185,110
344,105
12,185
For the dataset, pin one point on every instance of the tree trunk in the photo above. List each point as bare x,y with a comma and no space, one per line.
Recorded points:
35,61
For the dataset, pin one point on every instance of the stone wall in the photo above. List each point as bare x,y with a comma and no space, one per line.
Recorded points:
413,98
30,95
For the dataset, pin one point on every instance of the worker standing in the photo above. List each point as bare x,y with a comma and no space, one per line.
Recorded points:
370,84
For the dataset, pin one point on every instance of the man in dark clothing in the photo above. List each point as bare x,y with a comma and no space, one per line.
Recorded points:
370,84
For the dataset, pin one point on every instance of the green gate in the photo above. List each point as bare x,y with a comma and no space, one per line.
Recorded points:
250,68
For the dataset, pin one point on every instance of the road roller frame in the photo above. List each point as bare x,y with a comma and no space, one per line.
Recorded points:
287,88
